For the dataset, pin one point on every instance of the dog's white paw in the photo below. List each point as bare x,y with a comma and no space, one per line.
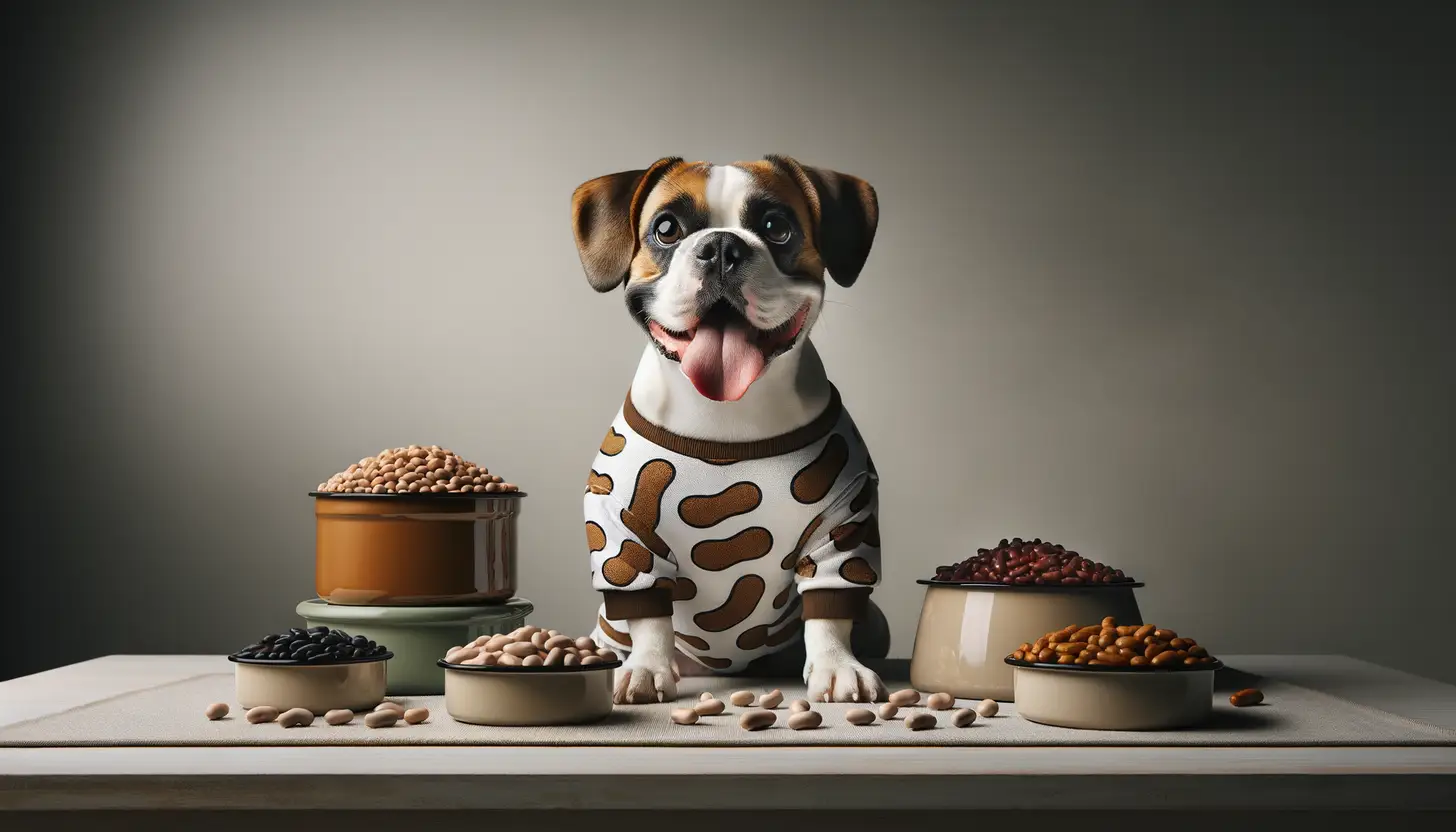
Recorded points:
642,680
837,679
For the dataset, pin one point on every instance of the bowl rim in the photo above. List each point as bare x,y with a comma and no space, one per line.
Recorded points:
417,495
382,657
1033,587
1216,664
515,668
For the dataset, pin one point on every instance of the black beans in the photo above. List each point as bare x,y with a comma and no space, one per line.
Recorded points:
316,645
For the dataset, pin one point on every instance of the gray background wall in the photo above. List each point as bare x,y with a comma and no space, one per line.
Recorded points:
1168,285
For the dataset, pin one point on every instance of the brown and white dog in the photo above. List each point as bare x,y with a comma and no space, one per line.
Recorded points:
731,510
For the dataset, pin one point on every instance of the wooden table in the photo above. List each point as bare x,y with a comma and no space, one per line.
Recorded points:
766,788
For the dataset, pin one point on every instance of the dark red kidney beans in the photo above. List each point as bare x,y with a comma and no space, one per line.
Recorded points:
1024,579
1071,581
1053,575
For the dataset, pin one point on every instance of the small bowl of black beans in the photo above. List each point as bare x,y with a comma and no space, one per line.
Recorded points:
320,669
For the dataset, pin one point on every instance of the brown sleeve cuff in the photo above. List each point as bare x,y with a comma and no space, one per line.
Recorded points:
655,602
836,603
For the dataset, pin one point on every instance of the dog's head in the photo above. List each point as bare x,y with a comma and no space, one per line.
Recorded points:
724,264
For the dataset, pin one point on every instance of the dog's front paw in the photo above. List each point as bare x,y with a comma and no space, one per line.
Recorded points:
643,680
835,679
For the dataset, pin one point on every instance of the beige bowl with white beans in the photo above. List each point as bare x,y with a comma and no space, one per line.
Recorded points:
529,676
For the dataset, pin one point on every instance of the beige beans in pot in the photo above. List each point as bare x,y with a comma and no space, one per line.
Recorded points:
532,647
417,469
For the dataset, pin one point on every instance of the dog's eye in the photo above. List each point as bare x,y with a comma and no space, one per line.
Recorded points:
776,228
666,229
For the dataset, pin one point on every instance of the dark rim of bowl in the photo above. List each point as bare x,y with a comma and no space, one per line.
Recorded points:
515,668
1039,587
383,657
420,495
1216,664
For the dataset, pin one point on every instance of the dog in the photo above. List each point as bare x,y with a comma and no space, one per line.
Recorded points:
731,509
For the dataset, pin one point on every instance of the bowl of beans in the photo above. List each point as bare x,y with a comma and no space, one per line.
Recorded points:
1111,677
415,526
318,669
529,676
975,612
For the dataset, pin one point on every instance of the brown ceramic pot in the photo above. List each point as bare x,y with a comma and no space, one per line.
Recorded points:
399,550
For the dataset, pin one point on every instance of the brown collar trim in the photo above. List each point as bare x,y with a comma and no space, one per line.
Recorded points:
725,452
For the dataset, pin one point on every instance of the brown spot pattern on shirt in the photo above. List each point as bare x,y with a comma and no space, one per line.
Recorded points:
598,483
806,567
761,636
717,555
858,571
742,600
632,561
814,480
783,597
646,509
702,512
716,664
851,536
865,496
695,641
683,589
792,557
613,442
596,539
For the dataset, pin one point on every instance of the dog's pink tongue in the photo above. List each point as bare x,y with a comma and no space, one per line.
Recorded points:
723,360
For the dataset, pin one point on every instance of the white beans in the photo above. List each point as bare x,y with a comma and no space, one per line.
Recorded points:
741,698
530,646
709,707
940,701
389,706
684,716
771,700
217,710
988,708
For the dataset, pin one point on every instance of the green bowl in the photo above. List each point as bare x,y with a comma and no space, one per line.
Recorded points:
418,637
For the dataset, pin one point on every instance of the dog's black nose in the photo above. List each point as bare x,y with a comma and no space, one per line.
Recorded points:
722,249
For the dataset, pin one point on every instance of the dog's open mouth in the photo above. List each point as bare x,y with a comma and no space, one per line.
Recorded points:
724,353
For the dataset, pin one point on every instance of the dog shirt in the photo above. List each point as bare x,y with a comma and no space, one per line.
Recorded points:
737,541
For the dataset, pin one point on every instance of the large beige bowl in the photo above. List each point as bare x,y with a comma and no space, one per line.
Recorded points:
1116,698
355,685
556,695
966,630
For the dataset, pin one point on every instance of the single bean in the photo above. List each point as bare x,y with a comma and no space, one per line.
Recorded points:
859,716
533,661
606,655
217,710
557,641
709,707
805,720
1144,631
381,719
296,718
585,643
684,716
592,660
261,714
705,696
940,701
520,649
888,710
538,639
414,716
339,716
1165,657
1165,635
741,698
510,660
905,698
799,706
757,720
555,656
920,721
988,708
771,700
389,706
1246,697
963,717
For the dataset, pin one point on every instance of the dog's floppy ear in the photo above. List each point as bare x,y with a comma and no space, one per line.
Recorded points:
604,215
846,213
